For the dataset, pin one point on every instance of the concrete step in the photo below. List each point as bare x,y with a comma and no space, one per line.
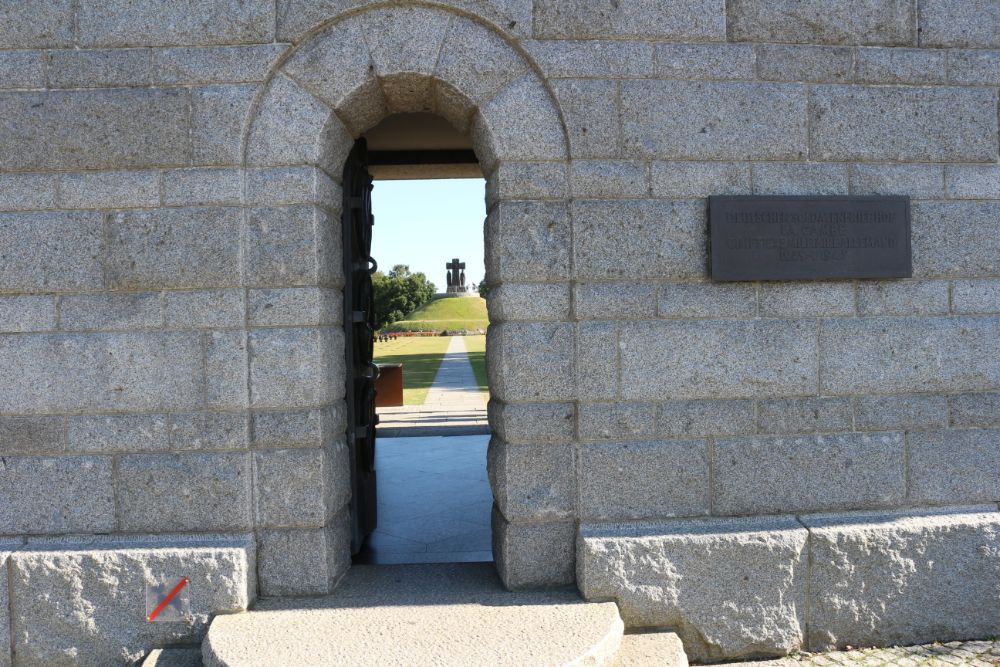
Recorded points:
441,615
646,649
173,657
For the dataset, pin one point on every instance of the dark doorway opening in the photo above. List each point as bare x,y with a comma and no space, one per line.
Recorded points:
433,501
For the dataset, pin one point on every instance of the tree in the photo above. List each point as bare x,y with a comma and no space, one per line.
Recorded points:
483,288
399,293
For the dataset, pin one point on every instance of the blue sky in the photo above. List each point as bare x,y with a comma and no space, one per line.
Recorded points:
427,223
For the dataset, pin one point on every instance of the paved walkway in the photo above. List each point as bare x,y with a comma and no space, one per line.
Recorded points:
434,502
973,653
454,404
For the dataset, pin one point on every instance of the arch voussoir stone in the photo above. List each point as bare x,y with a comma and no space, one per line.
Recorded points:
474,64
337,68
520,124
404,43
292,127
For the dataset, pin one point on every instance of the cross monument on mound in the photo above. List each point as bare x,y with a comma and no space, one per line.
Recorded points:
456,276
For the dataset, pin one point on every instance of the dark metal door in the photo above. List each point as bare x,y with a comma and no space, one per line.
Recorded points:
359,319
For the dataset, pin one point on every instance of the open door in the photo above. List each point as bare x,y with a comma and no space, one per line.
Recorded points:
359,328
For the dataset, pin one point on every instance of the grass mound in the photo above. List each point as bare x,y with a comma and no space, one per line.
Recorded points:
445,314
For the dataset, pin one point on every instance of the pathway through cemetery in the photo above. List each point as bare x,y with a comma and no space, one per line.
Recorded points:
454,404
434,497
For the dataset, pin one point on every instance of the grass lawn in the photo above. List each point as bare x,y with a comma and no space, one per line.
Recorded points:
476,346
421,358
446,313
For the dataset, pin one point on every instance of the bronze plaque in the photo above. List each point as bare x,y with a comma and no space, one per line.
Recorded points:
809,238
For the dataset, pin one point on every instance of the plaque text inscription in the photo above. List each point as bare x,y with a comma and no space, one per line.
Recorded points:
803,238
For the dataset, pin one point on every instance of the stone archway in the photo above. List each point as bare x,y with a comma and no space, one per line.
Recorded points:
340,81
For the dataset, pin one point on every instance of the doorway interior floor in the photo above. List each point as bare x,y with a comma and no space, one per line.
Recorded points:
434,502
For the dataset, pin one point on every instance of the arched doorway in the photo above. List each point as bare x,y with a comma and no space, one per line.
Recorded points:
343,80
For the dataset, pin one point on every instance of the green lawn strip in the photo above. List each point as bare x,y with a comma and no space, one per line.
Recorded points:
476,347
421,357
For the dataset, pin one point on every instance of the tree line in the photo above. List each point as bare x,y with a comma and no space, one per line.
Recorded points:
399,293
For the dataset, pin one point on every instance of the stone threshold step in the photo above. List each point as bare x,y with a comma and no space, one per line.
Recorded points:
454,614
650,649
662,649
173,657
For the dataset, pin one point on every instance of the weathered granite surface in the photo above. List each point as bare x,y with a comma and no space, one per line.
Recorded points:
729,587
892,579
83,600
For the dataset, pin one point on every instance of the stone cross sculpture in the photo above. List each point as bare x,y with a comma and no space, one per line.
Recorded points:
456,276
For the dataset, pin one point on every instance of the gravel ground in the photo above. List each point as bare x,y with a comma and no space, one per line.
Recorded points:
976,653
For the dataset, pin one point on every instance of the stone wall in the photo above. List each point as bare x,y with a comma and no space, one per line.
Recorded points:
170,318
